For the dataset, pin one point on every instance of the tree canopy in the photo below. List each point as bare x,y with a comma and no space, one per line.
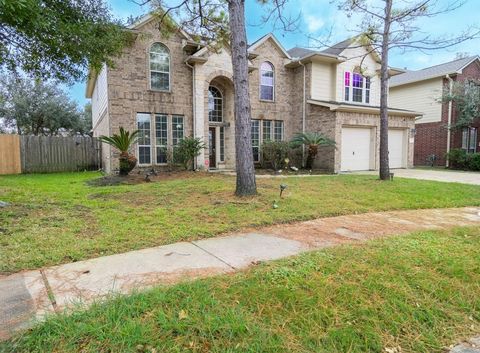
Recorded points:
58,39
466,97
40,108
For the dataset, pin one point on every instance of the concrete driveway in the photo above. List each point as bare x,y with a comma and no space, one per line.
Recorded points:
436,175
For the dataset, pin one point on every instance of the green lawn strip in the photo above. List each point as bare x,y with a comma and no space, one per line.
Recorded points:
57,218
420,292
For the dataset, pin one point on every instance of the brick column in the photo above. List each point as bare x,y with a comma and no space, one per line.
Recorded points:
199,108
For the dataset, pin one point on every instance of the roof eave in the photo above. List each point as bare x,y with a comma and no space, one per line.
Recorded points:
340,107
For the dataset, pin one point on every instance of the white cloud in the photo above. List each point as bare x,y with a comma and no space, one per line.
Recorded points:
314,23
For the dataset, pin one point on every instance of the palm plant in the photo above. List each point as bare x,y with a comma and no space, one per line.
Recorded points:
122,142
312,140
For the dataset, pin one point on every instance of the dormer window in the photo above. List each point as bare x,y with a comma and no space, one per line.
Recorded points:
267,82
357,87
159,67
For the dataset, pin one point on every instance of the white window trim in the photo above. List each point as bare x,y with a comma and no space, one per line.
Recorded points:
155,137
350,86
273,83
223,105
169,70
139,145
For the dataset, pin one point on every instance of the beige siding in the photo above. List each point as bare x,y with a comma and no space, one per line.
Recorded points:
419,96
358,56
99,97
323,81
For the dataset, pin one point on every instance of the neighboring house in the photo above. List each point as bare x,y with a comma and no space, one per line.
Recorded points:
173,87
422,91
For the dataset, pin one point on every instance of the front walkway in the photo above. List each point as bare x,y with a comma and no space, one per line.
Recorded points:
435,175
27,296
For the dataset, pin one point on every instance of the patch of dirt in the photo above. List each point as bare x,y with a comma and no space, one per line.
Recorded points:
143,176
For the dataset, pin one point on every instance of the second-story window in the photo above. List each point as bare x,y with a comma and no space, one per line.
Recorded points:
215,105
267,82
159,67
357,87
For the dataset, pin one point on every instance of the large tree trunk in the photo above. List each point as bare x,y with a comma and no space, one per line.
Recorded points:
384,162
243,143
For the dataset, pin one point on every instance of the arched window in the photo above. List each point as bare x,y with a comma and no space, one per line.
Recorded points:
267,82
215,105
159,67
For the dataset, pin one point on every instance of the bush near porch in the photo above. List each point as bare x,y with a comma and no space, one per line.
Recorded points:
58,218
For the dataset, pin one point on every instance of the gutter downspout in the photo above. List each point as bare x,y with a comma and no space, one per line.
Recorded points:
304,108
449,121
193,108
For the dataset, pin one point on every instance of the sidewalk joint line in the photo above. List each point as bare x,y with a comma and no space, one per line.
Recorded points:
50,294
215,256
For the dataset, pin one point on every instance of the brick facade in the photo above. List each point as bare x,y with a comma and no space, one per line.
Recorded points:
431,138
129,93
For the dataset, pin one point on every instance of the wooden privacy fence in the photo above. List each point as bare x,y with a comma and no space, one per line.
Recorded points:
10,154
46,154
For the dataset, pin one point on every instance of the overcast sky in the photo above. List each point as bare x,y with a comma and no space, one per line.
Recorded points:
319,17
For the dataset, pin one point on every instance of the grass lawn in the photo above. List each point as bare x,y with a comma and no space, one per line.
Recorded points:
419,292
57,218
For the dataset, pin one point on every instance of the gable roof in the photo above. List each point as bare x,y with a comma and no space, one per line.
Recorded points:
338,48
261,40
449,68
333,51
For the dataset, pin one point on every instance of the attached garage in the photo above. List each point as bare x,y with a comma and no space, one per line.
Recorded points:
357,148
397,148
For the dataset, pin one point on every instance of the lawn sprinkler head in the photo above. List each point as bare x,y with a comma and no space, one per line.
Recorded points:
282,188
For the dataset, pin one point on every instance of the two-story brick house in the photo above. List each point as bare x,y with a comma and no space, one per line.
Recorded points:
422,90
171,87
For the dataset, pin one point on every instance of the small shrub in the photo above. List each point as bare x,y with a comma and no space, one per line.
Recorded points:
458,159
274,154
474,161
187,149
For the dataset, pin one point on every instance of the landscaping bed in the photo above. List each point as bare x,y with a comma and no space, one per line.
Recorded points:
59,218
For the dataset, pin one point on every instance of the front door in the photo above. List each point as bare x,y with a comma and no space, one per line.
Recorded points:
212,152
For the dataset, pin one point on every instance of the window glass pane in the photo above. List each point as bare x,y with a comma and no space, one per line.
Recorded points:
177,129
472,139
215,105
161,137
267,130
159,67
278,131
256,140
144,148
222,144
159,80
367,89
267,81
465,138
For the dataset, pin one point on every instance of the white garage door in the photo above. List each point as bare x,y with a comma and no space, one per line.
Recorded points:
396,148
356,149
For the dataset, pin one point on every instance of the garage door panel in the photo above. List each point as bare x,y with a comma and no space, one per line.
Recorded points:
356,149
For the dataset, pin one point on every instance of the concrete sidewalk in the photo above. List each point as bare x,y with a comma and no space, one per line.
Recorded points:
26,297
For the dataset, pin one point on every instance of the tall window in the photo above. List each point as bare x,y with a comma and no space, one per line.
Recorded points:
159,67
267,82
267,130
215,105
161,137
278,131
357,87
256,140
144,146
469,139
177,129
222,144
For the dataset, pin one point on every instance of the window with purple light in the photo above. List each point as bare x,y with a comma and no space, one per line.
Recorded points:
357,87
